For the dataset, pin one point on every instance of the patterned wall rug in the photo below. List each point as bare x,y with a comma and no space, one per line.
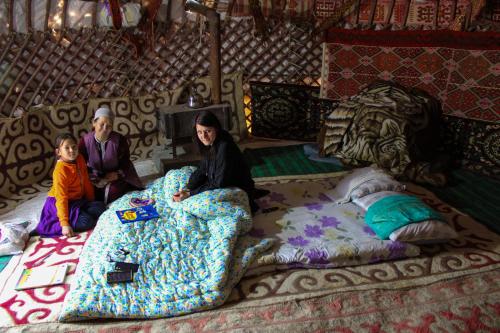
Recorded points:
458,68
286,111
453,286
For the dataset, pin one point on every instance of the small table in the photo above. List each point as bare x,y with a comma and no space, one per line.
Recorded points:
176,121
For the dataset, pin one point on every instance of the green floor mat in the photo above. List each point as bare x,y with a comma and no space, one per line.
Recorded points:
473,194
287,160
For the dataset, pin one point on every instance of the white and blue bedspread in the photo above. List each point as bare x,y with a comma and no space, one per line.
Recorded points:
190,258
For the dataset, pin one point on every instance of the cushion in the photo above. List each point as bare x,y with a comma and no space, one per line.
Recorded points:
366,201
363,181
425,232
409,219
393,212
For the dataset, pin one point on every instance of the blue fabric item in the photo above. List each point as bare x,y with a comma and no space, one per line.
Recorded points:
312,153
396,211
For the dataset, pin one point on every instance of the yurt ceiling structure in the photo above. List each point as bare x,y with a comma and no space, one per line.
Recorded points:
61,51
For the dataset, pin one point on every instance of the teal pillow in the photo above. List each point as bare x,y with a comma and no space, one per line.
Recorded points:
396,211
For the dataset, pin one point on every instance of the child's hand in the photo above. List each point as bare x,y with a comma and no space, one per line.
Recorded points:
181,195
67,231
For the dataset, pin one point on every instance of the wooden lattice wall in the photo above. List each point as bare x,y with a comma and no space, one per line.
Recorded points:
62,66
74,65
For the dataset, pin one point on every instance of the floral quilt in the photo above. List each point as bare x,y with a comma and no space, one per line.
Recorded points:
190,257
313,231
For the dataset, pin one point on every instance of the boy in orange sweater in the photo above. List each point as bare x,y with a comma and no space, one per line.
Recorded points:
70,204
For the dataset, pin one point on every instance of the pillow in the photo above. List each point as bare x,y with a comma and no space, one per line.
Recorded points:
377,185
366,201
363,181
405,218
426,232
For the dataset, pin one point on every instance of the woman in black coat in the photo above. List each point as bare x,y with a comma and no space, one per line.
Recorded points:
222,164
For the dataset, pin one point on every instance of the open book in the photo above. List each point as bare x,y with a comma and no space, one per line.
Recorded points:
42,276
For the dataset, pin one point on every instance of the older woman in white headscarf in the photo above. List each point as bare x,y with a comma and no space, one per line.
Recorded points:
108,158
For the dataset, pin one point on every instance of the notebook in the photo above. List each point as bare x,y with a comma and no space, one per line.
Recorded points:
135,214
41,277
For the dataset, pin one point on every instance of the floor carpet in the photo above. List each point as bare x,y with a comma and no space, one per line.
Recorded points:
450,287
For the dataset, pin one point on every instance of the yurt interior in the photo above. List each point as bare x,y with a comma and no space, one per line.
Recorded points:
250,166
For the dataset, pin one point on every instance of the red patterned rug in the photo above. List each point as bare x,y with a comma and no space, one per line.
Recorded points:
459,68
41,304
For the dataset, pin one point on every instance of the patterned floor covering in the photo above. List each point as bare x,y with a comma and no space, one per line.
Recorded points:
41,304
453,287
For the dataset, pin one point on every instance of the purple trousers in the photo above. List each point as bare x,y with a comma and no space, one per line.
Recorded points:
83,216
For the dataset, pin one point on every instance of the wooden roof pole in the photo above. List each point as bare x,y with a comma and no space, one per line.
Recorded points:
453,10
358,10
214,31
64,14
436,16
11,16
47,16
373,9
28,15
389,14
407,13
94,15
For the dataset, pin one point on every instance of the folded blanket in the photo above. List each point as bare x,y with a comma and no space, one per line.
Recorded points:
190,258
396,211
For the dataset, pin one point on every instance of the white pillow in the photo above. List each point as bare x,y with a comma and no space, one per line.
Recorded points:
425,232
366,201
361,182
